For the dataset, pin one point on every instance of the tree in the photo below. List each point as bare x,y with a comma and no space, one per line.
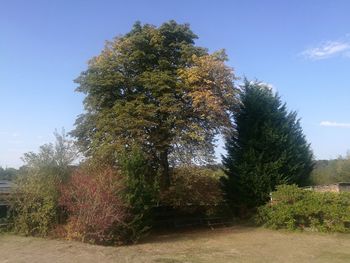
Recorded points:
268,148
62,153
155,88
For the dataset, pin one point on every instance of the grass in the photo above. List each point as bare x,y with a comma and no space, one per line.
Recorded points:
234,244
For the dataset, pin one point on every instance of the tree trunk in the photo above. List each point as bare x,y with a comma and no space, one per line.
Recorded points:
164,169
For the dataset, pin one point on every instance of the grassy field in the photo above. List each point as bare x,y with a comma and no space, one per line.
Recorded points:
234,244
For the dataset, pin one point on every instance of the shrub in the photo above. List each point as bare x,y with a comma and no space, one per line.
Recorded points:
34,209
94,206
141,193
193,189
108,205
34,204
297,209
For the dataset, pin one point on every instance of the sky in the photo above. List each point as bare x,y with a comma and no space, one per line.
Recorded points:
301,48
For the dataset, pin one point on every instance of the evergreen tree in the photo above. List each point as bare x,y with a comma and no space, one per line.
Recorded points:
268,148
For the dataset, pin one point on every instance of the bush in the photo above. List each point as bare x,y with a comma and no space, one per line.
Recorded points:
34,209
141,193
34,206
94,206
297,209
193,189
106,205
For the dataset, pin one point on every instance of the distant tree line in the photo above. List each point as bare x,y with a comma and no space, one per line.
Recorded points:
8,173
331,171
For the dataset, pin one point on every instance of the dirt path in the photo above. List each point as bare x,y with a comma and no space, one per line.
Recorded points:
236,244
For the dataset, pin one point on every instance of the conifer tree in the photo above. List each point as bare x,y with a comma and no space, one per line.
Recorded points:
268,148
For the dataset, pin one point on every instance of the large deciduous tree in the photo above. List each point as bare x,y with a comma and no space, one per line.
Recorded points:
268,148
155,88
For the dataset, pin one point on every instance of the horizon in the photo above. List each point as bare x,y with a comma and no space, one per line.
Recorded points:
289,46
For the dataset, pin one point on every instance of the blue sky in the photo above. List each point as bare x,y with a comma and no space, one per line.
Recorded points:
301,48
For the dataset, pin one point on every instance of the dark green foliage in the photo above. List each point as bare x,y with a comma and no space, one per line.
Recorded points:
141,194
297,209
267,149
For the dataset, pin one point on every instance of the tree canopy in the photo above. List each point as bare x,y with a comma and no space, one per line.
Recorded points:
155,88
268,148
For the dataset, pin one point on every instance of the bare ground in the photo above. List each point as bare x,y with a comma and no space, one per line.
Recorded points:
234,244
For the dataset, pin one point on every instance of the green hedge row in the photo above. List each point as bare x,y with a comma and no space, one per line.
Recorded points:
297,209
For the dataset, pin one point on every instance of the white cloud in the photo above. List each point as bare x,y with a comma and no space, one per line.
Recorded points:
335,124
328,49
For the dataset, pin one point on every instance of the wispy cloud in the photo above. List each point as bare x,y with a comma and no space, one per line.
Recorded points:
328,49
335,124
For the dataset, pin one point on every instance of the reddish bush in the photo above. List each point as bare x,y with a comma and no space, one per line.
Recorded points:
94,205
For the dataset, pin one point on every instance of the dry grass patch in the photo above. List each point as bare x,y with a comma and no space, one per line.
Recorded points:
235,244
